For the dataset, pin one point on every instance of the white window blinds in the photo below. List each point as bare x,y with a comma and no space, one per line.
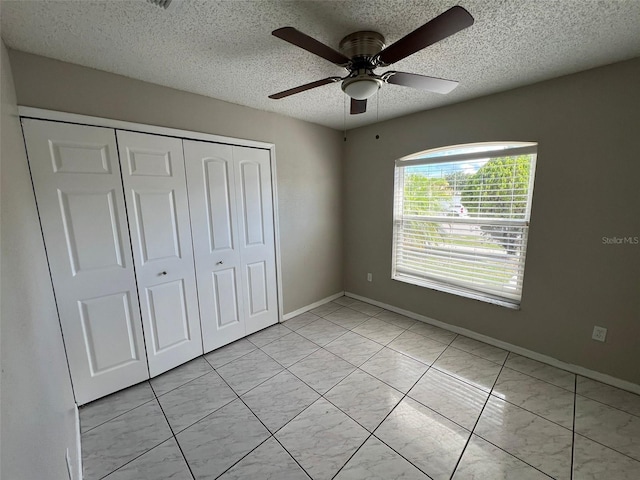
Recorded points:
461,219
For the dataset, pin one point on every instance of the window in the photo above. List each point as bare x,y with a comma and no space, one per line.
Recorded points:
461,219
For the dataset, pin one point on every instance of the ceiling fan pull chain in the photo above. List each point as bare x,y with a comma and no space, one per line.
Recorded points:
344,115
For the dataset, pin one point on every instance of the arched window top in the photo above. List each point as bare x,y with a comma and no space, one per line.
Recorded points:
469,150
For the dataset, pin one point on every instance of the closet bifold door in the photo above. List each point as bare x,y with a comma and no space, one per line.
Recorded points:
154,182
233,239
215,241
252,168
76,177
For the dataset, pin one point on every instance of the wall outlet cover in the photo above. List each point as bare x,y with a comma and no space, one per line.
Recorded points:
599,333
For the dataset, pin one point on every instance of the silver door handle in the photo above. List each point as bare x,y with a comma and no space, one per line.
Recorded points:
219,263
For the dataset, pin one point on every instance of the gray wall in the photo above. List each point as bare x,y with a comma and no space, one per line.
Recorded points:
309,156
586,187
38,410
586,184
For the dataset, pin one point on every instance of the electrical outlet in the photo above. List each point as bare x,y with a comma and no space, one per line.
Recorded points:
599,333
369,277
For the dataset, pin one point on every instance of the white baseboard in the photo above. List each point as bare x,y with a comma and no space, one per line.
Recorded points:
585,372
295,313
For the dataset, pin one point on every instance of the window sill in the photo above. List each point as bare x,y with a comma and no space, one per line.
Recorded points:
454,290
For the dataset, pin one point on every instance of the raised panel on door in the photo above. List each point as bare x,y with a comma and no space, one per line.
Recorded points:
91,229
168,316
156,221
224,294
107,326
76,177
153,175
212,202
256,233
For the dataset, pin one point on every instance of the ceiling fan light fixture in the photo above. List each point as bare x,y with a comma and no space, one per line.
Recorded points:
361,88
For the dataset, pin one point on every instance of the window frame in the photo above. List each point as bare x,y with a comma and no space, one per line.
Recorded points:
435,156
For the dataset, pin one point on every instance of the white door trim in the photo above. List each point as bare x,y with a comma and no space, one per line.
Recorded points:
44,114
276,228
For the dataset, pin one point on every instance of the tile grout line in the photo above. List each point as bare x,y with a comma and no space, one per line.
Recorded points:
255,386
372,433
333,340
155,446
123,413
607,447
491,390
227,363
607,404
531,412
200,419
135,458
321,396
271,435
478,419
462,426
247,454
514,456
488,441
300,359
539,379
429,367
183,384
237,398
173,433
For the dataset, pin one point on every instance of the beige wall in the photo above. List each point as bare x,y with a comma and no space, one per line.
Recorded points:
586,187
38,410
308,156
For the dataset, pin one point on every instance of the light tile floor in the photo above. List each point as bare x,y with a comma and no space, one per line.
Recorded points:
353,392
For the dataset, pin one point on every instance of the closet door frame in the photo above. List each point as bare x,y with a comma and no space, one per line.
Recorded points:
44,114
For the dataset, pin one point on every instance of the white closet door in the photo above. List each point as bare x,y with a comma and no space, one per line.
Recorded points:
76,177
256,236
155,189
212,202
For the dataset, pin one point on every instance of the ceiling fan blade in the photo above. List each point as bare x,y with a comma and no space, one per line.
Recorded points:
306,86
358,106
444,25
421,82
304,41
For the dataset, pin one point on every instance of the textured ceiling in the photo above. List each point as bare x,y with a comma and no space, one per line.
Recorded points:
225,50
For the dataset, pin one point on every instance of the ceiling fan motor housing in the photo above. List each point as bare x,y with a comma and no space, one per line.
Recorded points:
362,46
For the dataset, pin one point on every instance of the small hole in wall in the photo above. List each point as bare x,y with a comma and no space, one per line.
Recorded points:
377,137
